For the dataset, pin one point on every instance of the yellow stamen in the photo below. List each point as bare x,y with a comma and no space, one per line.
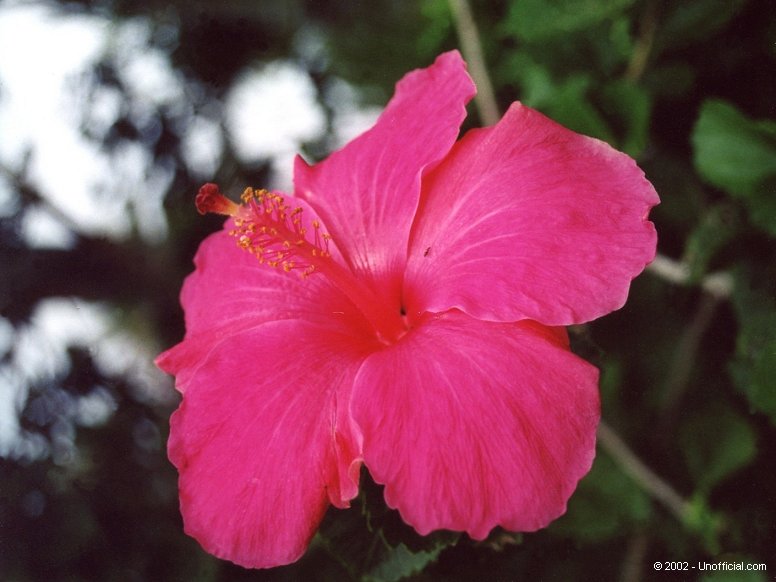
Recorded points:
266,227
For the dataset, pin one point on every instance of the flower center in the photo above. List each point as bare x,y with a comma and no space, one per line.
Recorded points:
267,228
276,235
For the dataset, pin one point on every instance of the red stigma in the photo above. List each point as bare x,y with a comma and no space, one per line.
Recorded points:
210,199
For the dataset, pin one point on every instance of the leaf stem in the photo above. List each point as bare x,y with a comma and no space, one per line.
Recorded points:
641,474
683,362
719,284
635,554
643,47
471,47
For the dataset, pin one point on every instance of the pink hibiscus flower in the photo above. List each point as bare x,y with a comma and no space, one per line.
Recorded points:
412,324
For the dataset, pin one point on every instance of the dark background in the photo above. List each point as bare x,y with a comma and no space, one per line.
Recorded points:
688,367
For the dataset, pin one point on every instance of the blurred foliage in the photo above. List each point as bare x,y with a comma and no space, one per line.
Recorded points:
688,380
738,155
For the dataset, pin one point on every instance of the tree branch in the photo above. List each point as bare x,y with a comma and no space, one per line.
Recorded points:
641,474
719,284
471,47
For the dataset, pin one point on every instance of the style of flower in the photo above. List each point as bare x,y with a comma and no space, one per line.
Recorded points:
404,310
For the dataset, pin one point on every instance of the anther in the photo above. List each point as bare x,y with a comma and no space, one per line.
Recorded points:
210,199
270,230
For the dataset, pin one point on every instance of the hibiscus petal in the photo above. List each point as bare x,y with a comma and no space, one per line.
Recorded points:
367,192
230,292
473,424
263,441
530,220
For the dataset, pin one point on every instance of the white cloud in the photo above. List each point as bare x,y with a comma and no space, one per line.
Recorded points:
39,355
351,119
270,113
40,229
44,57
202,147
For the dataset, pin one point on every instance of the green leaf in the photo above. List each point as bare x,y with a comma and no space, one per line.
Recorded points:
371,542
606,502
536,20
719,225
689,22
716,443
762,207
438,26
536,84
566,102
631,107
400,562
704,522
570,107
754,367
619,41
344,536
733,152
738,155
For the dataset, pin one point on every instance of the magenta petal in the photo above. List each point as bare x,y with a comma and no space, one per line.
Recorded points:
263,441
230,292
472,424
367,192
528,220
